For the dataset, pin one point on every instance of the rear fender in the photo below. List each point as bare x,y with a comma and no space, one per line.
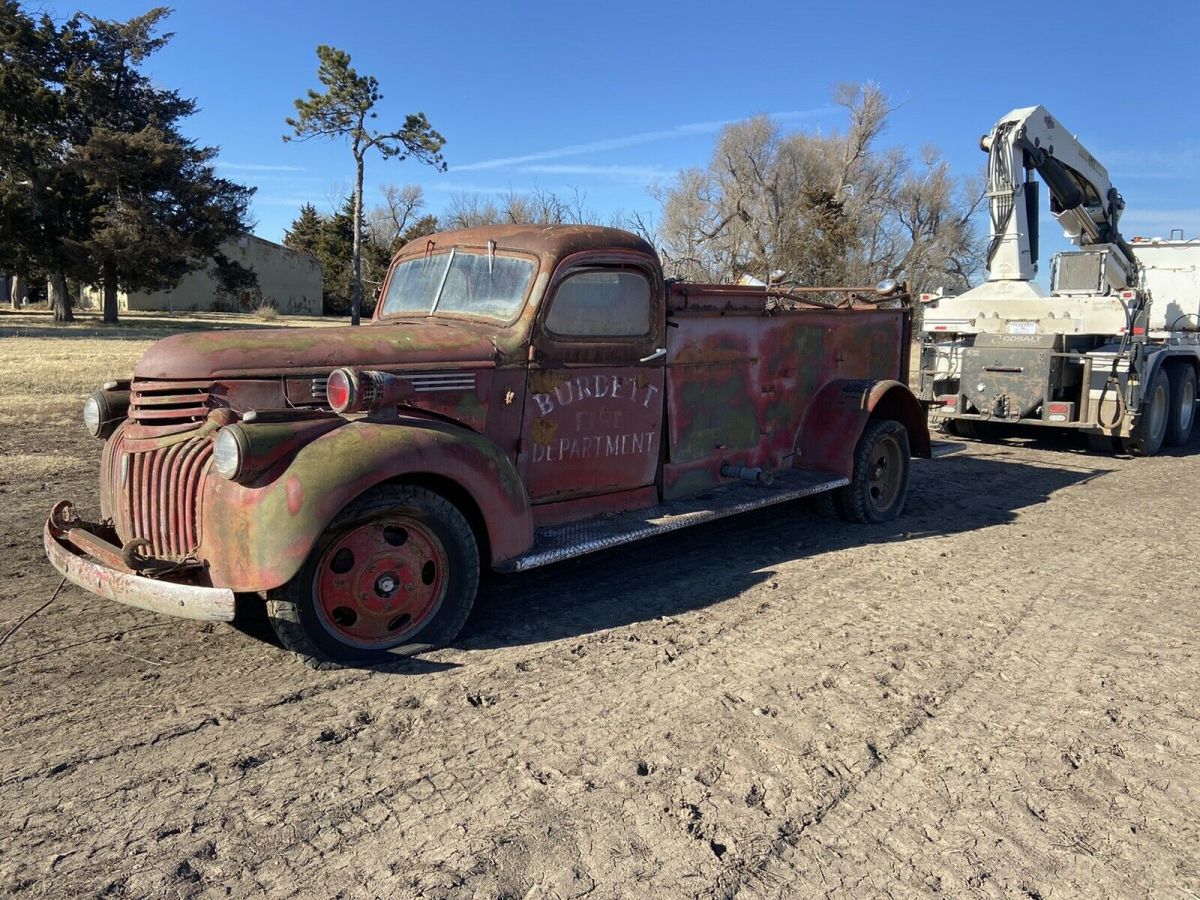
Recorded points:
840,411
256,537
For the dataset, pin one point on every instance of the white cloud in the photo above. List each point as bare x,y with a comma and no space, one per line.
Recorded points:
636,174
1159,222
629,140
455,187
1138,163
257,167
280,200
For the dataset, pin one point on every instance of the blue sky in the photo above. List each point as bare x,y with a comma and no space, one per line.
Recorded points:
610,98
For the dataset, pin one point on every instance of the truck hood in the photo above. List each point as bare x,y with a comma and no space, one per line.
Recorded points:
274,351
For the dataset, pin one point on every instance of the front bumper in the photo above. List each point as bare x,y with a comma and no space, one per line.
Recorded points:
66,537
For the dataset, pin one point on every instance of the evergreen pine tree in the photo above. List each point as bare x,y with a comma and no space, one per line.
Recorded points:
343,111
305,233
157,208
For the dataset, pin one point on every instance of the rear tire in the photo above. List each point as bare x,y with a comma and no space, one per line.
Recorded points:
879,485
962,428
395,573
1151,428
1182,379
975,429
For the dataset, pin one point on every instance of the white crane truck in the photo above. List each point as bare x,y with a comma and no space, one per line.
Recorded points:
1112,350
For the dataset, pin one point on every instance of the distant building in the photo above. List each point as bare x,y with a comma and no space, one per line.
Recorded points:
287,279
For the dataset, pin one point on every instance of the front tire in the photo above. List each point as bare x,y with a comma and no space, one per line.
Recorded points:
1182,380
879,485
393,574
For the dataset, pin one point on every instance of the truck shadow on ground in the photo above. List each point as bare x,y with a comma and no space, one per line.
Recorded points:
706,565
656,578
1037,438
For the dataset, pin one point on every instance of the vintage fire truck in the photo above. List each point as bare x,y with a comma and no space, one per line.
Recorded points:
523,395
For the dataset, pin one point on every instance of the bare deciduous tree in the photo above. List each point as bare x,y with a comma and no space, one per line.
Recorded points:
402,206
535,207
804,208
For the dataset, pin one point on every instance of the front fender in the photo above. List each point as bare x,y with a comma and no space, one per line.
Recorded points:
838,413
256,537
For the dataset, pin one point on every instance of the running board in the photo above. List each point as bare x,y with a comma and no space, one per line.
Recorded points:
938,449
556,543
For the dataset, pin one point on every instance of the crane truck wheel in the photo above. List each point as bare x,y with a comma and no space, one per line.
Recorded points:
963,428
1182,379
1103,443
1151,428
879,484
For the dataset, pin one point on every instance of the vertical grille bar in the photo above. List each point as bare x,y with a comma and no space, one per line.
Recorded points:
201,453
161,497
154,476
140,505
167,503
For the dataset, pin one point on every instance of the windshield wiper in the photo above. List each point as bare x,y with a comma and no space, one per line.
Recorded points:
442,284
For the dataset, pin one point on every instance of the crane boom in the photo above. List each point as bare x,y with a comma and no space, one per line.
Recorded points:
1082,196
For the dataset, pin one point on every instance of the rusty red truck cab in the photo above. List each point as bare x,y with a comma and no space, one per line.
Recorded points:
522,395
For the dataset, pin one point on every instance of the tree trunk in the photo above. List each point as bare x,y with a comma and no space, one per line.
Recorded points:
18,290
356,288
6,288
109,277
60,300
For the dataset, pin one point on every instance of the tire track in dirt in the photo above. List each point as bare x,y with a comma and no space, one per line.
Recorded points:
647,721
832,853
791,832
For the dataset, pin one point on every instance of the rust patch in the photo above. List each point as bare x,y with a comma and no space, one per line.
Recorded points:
544,430
295,494
544,382
710,354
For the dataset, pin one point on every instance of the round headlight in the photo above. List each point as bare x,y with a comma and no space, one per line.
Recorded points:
229,451
93,414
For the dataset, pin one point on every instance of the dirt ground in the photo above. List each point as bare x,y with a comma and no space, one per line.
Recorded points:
995,696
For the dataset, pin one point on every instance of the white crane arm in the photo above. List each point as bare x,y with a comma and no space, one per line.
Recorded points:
1082,196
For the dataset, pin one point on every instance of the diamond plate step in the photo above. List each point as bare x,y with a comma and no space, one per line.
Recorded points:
560,542
938,449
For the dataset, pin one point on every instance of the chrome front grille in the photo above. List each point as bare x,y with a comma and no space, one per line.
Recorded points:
170,402
156,494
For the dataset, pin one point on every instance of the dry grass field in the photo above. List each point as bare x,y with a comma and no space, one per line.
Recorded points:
997,695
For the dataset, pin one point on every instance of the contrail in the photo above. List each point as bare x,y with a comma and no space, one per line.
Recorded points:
630,140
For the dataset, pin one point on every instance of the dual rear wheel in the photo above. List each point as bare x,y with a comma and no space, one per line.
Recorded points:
1167,418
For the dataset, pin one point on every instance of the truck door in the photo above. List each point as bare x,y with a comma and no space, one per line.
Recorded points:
593,417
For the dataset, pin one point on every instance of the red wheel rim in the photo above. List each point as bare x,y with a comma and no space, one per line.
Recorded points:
381,582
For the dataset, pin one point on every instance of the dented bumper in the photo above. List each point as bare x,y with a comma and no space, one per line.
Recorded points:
73,549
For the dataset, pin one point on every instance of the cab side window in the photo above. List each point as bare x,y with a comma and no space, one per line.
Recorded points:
601,303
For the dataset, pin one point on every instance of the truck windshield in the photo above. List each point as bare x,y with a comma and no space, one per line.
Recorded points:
459,282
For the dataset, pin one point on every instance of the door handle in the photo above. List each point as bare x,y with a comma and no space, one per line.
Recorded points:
661,351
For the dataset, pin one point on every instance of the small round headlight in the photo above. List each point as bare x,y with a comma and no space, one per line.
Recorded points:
229,451
93,414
